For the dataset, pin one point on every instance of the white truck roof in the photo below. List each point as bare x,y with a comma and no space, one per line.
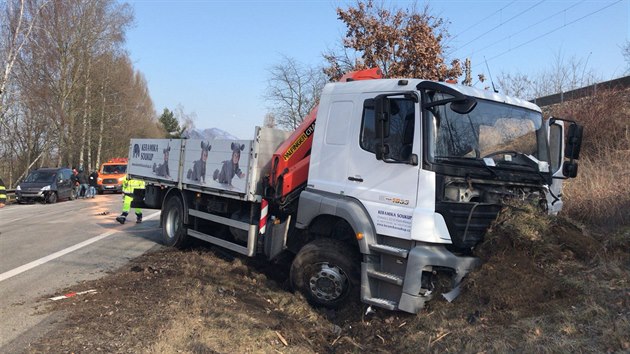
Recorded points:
391,85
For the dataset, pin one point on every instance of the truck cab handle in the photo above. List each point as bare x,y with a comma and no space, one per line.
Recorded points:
355,179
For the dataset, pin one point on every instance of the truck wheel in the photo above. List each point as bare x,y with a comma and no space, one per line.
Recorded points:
326,271
52,198
174,232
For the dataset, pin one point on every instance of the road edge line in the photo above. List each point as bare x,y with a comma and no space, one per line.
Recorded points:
21,269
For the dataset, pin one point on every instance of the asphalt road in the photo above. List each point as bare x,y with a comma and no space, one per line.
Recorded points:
47,248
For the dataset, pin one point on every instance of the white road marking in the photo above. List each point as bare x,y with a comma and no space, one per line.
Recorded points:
13,272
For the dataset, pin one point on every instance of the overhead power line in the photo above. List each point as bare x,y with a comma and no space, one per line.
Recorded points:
502,23
528,27
482,20
553,30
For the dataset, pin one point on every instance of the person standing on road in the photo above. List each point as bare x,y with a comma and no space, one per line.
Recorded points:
3,194
93,178
128,186
75,183
83,182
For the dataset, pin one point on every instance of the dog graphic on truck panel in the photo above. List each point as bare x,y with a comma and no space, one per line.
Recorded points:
230,168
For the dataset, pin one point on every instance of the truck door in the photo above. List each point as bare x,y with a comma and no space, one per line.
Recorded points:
387,188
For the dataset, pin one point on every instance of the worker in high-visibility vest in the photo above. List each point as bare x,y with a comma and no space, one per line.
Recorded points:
3,194
128,187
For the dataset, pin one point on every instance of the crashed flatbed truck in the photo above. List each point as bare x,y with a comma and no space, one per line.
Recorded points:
394,183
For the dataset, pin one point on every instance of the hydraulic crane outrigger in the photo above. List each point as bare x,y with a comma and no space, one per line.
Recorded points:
290,162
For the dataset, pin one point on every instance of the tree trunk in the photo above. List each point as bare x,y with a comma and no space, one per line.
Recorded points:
84,119
101,126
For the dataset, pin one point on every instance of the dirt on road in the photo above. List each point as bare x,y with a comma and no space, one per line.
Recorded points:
547,286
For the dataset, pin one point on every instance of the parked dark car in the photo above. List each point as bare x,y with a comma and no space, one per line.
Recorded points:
46,185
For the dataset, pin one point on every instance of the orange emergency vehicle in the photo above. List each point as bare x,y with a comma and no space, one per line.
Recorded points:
111,175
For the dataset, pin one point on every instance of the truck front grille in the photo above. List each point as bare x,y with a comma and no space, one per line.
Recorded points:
466,228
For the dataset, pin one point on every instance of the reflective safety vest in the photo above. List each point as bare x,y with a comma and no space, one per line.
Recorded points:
129,185
3,194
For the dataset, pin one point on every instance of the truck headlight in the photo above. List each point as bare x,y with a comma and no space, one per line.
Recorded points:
46,188
18,188
121,179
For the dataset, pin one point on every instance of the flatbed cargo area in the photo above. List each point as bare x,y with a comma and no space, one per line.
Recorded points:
232,168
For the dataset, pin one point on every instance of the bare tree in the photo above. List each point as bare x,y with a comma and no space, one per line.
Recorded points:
516,84
564,75
186,120
561,76
292,91
73,93
19,23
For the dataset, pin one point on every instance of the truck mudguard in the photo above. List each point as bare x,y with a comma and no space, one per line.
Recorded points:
316,203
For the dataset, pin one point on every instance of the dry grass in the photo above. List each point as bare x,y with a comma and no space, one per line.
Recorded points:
600,195
547,285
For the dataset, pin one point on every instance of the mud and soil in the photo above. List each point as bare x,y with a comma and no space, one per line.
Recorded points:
545,285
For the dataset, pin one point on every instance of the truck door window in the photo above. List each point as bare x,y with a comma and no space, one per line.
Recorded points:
400,139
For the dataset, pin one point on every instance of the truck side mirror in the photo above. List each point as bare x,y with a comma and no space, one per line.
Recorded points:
569,169
567,139
574,142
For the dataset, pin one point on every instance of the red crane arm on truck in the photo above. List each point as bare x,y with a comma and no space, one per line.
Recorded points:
289,168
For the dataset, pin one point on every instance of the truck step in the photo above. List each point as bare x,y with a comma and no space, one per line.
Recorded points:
388,277
391,250
384,303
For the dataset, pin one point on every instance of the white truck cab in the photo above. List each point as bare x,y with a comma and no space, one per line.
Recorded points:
422,168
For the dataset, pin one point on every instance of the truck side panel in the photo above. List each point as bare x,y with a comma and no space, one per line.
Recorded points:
217,164
154,158
230,168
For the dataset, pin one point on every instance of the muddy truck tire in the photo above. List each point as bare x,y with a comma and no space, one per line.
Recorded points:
326,272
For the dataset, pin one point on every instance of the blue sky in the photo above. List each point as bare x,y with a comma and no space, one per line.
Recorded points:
212,57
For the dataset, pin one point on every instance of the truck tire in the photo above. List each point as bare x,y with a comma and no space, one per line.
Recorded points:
174,232
326,271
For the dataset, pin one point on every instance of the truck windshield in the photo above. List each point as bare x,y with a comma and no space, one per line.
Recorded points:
114,169
494,130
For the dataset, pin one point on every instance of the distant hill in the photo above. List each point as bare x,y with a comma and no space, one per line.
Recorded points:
209,134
